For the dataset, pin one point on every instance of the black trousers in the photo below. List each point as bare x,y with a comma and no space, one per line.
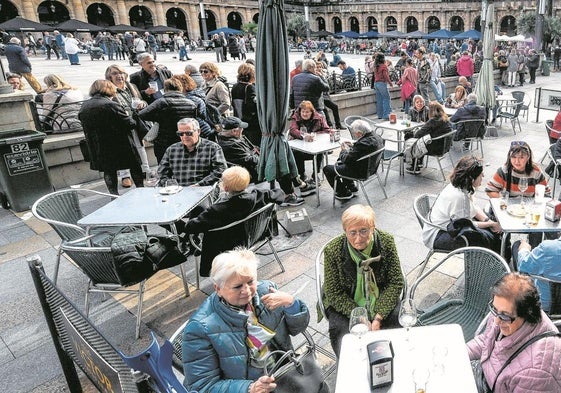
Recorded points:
301,159
335,109
329,172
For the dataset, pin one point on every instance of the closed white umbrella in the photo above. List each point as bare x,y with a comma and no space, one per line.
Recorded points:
485,87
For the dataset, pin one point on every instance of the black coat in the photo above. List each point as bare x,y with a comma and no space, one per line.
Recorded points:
17,59
310,87
240,151
225,212
434,127
108,130
141,78
349,159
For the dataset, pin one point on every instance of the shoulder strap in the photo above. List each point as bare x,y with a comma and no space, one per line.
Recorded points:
526,344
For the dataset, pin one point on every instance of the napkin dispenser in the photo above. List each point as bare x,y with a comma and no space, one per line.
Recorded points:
380,361
552,210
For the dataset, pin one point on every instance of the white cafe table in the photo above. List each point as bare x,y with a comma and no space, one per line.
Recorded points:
145,206
514,224
321,145
456,376
400,130
450,111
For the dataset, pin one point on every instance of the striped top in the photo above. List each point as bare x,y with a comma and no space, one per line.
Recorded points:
499,181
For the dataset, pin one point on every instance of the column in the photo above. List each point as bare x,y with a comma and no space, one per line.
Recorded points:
122,16
160,15
29,11
78,9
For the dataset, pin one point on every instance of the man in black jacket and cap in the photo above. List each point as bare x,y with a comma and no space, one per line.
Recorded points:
238,150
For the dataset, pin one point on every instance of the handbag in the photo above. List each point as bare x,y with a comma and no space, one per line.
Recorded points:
162,252
295,373
419,148
127,247
481,382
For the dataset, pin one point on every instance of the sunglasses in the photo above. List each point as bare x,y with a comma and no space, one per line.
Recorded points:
205,71
518,143
185,133
502,317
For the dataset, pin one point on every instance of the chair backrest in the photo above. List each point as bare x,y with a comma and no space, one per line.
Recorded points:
518,96
445,141
61,209
78,341
472,128
422,206
555,293
552,134
96,263
517,107
374,160
319,279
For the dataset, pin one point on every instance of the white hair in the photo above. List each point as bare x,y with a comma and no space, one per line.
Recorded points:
237,262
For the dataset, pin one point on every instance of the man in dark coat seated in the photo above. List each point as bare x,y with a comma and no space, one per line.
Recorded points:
238,150
347,163
470,111
238,203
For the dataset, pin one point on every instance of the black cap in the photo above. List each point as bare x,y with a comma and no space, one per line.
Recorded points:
231,122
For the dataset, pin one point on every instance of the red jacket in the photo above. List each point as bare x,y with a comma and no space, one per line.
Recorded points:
465,66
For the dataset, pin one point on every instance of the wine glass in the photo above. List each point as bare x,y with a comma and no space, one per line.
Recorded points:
407,315
523,186
358,323
171,186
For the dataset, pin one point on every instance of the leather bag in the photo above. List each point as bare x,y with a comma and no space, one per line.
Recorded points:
295,373
162,252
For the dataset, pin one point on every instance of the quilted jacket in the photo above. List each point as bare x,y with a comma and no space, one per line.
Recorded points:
536,369
215,355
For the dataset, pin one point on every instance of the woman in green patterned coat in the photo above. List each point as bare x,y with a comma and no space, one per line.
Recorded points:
345,277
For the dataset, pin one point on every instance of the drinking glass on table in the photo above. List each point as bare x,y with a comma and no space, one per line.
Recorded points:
523,186
359,324
171,186
407,316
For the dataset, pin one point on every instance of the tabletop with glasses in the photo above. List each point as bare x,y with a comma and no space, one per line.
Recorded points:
321,144
426,359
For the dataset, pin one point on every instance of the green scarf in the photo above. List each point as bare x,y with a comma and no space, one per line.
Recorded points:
358,256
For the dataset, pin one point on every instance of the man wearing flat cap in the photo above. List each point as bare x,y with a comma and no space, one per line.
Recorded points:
238,150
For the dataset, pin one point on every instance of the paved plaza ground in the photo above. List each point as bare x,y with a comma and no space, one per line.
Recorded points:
28,362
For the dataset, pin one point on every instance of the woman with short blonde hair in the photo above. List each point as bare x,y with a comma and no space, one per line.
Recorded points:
61,103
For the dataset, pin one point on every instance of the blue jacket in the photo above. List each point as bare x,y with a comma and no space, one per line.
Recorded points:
215,355
17,59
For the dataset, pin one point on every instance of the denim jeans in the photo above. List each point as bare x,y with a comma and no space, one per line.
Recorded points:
439,90
383,107
182,53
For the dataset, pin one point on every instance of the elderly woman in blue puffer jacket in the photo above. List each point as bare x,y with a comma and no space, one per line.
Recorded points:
226,341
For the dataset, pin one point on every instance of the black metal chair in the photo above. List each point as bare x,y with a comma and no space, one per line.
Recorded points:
467,307
62,210
510,112
374,159
520,97
447,140
471,131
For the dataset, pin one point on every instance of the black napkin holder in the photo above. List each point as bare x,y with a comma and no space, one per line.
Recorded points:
380,363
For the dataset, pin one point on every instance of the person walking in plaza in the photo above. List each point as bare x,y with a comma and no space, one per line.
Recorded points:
151,44
408,83
217,45
512,68
436,84
19,63
244,102
72,48
50,45
382,82
180,42
59,39
424,73
533,63
108,130
465,66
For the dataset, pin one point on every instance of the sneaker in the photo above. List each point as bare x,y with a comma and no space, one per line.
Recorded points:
126,182
413,170
352,188
311,182
292,200
308,190
344,195
297,182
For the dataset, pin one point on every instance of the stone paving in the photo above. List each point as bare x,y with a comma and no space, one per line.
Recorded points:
27,357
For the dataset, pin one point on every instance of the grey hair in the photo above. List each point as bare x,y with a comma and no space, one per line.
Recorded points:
191,68
361,126
237,262
15,40
190,120
143,56
308,64
472,97
298,63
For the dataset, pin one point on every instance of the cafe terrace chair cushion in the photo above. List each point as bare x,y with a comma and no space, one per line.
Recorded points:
62,210
98,265
468,306
374,160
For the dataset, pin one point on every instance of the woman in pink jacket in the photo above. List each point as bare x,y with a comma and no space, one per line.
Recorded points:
516,317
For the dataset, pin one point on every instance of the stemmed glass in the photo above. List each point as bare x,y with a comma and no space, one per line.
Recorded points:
407,316
171,186
523,186
358,324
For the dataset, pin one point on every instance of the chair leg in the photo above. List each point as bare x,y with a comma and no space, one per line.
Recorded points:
335,181
184,279
425,263
57,264
139,308
519,126
365,194
441,170
276,255
382,186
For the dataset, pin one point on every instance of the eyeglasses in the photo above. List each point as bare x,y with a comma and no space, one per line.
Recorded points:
205,71
502,317
185,133
364,232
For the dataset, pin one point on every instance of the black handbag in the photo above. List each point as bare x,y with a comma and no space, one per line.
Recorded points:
480,381
127,247
162,252
296,373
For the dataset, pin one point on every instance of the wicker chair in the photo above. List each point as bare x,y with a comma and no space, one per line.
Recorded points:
482,268
62,210
374,160
98,265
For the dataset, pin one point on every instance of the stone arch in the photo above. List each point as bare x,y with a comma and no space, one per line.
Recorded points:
411,24
320,24
175,17
337,24
457,23
210,22
477,23
141,16
354,25
234,20
433,24
372,24
508,25
8,10
52,12
100,14
390,23
255,18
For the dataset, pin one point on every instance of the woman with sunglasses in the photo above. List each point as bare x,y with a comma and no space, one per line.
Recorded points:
217,92
345,286
516,317
455,202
